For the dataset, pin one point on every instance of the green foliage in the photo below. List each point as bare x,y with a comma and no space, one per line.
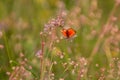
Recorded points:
23,39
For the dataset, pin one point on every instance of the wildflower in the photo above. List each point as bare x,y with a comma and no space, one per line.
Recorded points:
118,1
1,34
61,79
39,54
61,56
1,46
30,67
21,55
8,73
97,65
83,61
54,62
57,22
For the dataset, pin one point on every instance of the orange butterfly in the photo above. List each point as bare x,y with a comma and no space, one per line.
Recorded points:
68,33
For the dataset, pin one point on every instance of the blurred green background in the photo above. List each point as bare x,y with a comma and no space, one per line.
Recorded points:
21,22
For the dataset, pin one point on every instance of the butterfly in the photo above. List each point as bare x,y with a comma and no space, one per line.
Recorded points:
68,33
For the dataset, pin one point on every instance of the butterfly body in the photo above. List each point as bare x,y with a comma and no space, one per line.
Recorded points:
68,33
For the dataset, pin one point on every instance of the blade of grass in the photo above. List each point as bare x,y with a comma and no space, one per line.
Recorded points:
7,48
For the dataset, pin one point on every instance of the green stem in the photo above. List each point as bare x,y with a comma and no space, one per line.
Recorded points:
7,47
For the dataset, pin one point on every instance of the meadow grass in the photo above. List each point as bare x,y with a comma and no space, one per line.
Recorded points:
32,46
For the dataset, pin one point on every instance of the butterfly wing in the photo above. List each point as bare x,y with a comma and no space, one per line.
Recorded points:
64,32
71,32
68,32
